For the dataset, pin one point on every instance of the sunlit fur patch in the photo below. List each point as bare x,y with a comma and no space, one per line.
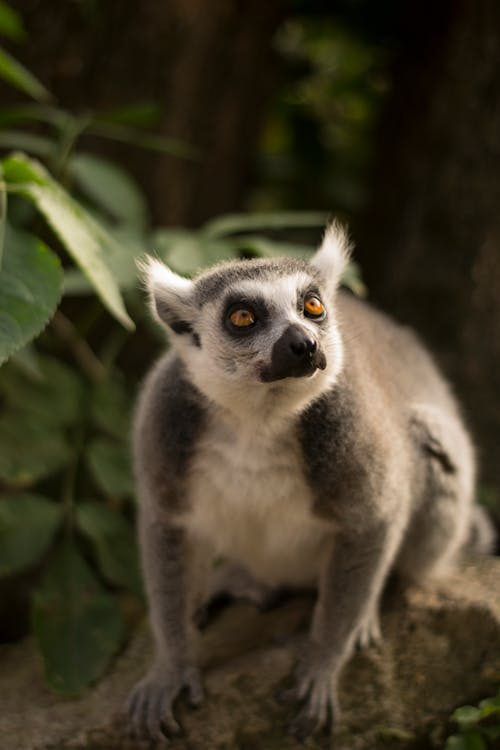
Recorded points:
169,294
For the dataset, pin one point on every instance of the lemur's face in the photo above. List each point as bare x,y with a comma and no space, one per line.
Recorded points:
249,324
273,325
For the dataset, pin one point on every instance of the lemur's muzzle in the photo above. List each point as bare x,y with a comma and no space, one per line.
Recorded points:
295,354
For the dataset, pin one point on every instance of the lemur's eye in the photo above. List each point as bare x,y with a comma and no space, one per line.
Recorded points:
242,318
313,307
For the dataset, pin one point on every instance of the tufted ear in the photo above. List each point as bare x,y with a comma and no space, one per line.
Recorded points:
170,295
333,255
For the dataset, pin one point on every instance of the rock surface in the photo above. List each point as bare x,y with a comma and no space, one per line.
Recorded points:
441,649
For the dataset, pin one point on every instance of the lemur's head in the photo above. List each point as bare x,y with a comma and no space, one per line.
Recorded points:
244,327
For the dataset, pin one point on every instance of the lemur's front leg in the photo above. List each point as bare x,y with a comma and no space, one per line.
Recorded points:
350,585
166,563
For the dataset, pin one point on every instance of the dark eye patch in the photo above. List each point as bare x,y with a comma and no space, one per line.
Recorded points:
255,305
311,290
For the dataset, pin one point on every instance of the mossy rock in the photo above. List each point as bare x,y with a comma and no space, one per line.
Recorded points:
441,649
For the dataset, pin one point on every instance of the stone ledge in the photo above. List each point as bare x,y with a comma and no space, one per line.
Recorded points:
441,649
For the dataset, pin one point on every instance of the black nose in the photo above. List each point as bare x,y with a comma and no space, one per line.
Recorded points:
301,344
295,354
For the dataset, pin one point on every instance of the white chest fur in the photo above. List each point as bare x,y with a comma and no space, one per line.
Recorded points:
250,503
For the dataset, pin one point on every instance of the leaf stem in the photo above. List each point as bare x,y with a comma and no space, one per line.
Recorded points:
67,491
75,126
81,351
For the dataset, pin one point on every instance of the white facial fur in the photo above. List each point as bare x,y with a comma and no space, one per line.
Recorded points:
227,370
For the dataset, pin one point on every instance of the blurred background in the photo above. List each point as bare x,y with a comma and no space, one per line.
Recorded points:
202,131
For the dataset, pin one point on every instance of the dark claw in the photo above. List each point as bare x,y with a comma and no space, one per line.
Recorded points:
195,691
169,726
302,726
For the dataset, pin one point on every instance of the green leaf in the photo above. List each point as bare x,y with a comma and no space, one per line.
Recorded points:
17,75
111,407
34,144
78,624
122,133
26,360
121,260
30,289
3,215
110,188
87,242
391,734
114,542
474,740
262,246
255,222
455,742
490,705
56,396
11,24
30,449
27,526
465,716
137,114
26,113
189,251
470,740
110,464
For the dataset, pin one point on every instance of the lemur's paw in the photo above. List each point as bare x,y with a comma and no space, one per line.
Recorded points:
150,704
369,633
315,689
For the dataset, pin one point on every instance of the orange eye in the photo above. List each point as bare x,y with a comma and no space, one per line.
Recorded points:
313,307
242,318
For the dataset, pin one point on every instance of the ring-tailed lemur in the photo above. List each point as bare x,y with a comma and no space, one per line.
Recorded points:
303,437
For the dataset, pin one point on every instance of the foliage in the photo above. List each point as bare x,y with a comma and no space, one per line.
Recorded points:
75,619
30,290
318,143
85,239
48,420
478,726
11,26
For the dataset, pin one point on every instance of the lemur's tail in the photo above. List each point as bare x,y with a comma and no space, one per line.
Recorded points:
482,538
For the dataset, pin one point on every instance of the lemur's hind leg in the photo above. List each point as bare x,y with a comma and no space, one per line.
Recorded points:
444,484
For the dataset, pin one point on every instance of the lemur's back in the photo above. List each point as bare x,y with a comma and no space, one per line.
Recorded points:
378,347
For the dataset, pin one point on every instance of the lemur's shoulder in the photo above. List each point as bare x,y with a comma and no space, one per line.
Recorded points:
169,419
387,358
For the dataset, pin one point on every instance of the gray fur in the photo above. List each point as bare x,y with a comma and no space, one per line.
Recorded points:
332,480
217,281
169,419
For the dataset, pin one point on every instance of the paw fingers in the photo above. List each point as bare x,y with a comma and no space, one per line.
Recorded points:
150,713
136,712
153,716
195,690
169,726
302,726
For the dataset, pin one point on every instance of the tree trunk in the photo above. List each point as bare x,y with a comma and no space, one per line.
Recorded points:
430,241
208,66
